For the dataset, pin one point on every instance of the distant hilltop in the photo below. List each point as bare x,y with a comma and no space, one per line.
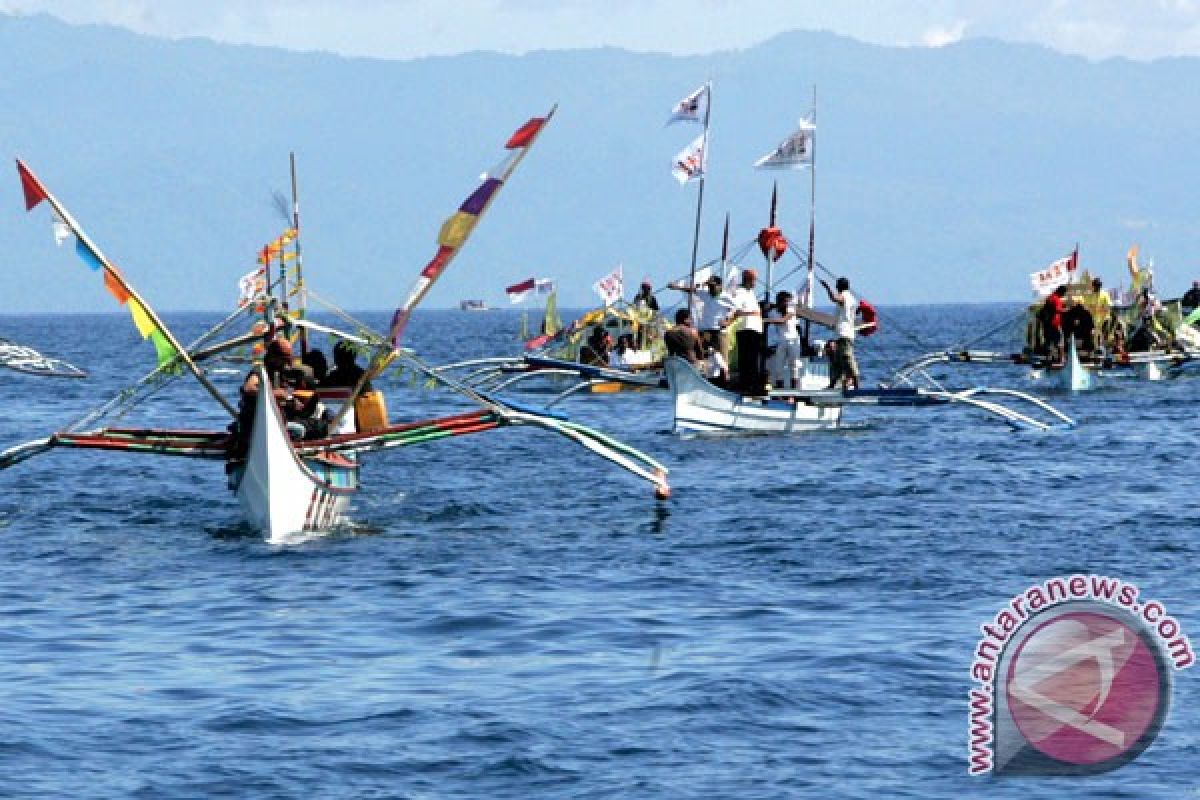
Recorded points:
942,174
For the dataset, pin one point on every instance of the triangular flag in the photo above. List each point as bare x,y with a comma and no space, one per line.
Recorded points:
34,193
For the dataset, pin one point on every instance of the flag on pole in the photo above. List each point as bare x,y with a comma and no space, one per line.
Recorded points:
455,230
147,323
611,287
251,286
692,108
519,291
794,152
692,161
1058,273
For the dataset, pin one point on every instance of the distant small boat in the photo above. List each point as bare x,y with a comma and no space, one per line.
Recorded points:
472,305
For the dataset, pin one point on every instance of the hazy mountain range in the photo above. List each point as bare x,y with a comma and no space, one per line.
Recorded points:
942,174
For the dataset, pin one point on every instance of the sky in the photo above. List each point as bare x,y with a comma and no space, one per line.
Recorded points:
407,29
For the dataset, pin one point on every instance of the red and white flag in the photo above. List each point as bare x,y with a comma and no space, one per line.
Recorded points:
1060,272
611,287
252,286
693,108
519,291
692,161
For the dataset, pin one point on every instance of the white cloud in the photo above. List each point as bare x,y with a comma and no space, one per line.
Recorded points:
939,36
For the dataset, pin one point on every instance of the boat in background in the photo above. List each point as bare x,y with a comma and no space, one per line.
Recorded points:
21,358
472,305
700,407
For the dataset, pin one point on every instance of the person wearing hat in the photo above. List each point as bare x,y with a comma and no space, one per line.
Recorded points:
750,337
645,298
710,306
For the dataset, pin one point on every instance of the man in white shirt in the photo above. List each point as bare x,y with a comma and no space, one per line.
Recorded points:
709,308
750,337
844,368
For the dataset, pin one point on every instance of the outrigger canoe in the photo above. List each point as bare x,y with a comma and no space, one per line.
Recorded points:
703,408
288,486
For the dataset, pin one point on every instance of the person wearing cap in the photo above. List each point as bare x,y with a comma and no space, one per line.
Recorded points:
750,337
711,306
285,379
843,369
1191,298
645,298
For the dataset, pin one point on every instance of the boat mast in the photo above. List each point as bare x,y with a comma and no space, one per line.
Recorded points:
812,217
768,251
301,288
703,175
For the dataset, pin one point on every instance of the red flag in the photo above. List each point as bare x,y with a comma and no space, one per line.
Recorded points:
34,193
525,133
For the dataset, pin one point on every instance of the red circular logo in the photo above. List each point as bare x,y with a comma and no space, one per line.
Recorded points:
1084,688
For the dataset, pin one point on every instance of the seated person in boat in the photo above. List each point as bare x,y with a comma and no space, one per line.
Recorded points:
682,340
346,372
595,351
292,387
784,347
716,368
617,359
314,359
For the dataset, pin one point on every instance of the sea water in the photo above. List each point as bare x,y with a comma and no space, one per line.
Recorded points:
511,617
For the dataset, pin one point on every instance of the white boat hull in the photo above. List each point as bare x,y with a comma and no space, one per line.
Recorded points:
701,407
282,494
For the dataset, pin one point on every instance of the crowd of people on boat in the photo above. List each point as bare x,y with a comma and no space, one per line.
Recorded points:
295,384
769,342
1097,326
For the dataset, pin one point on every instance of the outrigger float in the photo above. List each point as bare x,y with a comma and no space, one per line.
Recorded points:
289,487
20,358
700,407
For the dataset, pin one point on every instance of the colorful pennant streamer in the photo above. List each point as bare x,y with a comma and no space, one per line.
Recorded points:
455,230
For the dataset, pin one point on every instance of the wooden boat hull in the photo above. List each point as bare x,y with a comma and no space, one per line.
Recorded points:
283,494
701,407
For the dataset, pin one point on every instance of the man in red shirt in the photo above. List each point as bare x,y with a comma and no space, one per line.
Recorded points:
1051,316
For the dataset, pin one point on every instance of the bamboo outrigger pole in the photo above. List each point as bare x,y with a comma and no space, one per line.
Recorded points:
35,192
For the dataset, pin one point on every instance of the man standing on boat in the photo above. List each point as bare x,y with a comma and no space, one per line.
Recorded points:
712,306
683,341
844,368
750,337
1051,317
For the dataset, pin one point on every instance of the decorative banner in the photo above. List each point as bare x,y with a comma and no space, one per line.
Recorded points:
611,287
458,227
794,152
692,108
251,286
146,322
1047,280
692,161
